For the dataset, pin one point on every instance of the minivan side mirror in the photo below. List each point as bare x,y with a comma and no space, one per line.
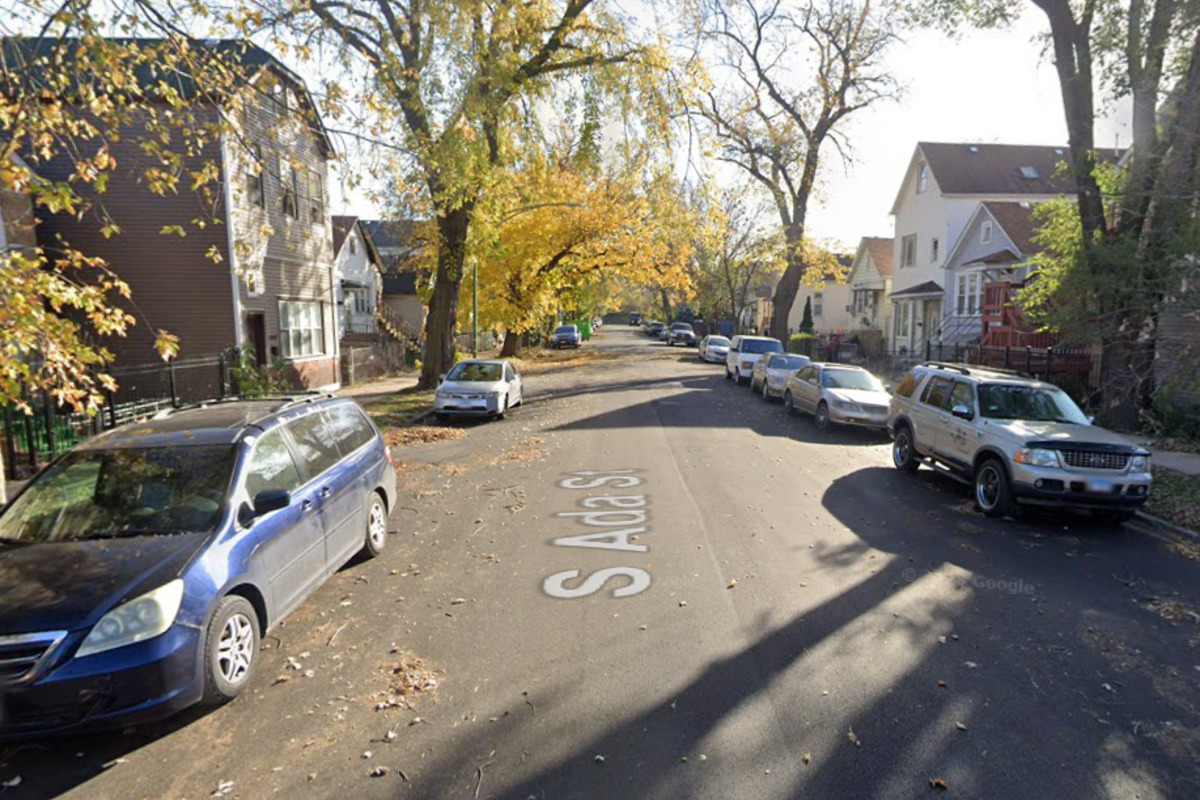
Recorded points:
442,378
269,500
963,412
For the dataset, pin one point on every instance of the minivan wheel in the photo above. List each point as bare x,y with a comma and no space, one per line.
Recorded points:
376,536
904,457
230,649
788,406
992,493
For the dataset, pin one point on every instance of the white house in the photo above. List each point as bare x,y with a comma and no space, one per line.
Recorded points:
358,277
830,306
399,245
870,282
942,187
993,248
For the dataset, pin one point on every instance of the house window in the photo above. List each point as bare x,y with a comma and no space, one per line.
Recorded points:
353,245
300,330
970,294
818,304
985,233
254,282
908,250
922,178
254,180
316,197
935,250
290,190
903,321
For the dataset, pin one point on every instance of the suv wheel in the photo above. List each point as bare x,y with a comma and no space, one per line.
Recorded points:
230,649
821,418
376,536
728,375
788,406
993,495
904,457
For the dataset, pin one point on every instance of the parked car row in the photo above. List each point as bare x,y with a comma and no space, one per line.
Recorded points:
1014,439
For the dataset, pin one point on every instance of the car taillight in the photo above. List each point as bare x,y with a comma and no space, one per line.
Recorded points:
387,452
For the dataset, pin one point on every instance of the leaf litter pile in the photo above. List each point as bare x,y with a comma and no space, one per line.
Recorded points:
408,676
420,434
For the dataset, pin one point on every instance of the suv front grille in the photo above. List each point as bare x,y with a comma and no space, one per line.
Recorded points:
1091,459
21,654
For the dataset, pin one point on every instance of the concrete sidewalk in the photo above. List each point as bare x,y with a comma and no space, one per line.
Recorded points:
1187,463
397,383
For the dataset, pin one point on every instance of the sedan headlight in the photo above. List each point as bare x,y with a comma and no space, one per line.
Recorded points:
1139,464
139,619
846,405
1037,457
495,393
747,365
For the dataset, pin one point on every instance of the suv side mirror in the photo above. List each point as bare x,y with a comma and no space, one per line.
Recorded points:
963,412
271,500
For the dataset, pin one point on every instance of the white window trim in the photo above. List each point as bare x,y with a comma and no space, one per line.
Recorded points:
962,291
985,233
935,250
905,261
922,178
318,331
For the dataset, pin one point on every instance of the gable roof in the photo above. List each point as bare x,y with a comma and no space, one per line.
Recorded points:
341,231
997,169
390,234
1017,221
880,249
22,57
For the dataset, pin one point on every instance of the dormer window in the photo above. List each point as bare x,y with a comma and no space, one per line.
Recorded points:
985,233
1029,173
922,178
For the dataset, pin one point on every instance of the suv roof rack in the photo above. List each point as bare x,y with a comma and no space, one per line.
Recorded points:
966,369
961,369
284,401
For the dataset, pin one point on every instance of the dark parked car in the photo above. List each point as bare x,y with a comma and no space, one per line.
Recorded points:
653,329
681,333
142,568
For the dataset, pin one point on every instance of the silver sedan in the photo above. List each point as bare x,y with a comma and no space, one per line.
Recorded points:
478,388
837,394
714,349
772,371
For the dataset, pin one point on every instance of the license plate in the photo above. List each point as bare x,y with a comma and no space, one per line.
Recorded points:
1100,485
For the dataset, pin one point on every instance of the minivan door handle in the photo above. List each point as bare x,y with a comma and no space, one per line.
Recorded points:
306,505
326,492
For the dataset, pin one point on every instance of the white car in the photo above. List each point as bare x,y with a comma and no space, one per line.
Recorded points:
714,349
772,371
478,388
744,352
837,393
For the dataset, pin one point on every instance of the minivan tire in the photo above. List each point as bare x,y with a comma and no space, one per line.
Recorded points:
993,493
230,649
376,533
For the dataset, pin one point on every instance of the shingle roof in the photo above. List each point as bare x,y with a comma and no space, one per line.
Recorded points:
928,287
965,168
390,234
881,253
1017,221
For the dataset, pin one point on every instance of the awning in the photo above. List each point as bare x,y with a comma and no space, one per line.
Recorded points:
926,289
353,284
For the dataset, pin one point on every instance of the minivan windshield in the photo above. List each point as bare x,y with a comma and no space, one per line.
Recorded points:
467,371
96,494
1029,403
850,379
761,346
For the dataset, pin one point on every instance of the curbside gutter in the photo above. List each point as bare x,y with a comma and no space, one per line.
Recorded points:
1158,523
419,417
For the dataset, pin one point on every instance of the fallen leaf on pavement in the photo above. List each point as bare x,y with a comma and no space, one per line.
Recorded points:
938,783
960,726
853,737
806,758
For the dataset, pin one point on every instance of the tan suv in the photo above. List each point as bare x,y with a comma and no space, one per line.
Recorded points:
1016,440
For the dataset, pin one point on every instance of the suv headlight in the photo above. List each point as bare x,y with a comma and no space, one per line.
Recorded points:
1037,457
747,365
1139,464
136,620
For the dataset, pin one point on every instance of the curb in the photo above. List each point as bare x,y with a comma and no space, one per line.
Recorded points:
419,417
1161,524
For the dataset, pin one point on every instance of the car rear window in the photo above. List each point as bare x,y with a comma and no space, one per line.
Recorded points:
314,443
349,427
761,346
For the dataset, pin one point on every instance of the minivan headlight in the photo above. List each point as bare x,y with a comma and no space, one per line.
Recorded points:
1037,457
1139,464
137,620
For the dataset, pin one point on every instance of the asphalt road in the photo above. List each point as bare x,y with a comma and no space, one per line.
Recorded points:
801,620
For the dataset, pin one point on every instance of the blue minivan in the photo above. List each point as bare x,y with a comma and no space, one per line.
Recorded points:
139,571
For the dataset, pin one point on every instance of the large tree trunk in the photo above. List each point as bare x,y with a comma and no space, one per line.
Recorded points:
666,305
512,344
453,227
789,283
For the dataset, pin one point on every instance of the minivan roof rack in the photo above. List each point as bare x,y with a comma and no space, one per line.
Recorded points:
284,401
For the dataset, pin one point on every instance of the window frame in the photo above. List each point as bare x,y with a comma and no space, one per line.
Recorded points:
256,188
935,250
922,178
289,196
968,294
908,250
985,232
285,330
316,197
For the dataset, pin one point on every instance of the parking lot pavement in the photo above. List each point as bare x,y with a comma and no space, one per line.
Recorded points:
647,583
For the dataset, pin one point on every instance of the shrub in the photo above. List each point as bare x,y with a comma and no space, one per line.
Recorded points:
804,344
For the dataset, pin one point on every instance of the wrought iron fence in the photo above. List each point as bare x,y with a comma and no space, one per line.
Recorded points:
30,440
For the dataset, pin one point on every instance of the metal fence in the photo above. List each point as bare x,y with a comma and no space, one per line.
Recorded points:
30,440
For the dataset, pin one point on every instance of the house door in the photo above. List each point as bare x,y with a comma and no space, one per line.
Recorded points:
932,323
256,332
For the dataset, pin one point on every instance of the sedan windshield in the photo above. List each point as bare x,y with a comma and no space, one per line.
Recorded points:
761,346
790,363
718,341
93,494
850,379
1030,403
467,371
